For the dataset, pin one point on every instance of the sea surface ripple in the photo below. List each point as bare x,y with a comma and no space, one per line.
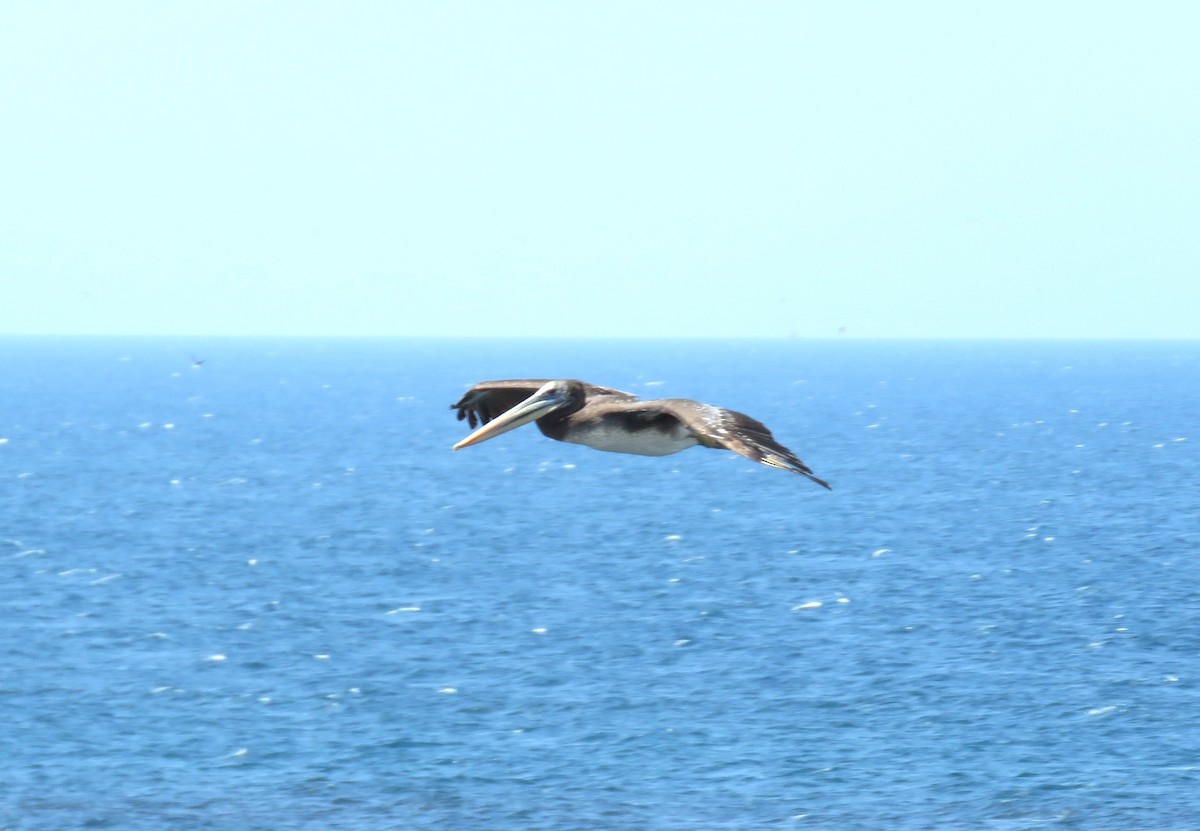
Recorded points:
260,592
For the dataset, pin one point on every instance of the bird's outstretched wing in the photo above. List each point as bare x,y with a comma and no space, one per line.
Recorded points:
731,430
488,399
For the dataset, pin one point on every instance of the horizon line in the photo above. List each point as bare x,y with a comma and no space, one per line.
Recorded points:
592,337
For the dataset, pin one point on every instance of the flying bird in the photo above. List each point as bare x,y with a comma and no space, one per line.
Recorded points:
608,419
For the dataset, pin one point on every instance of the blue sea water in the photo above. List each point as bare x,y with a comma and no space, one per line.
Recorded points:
262,593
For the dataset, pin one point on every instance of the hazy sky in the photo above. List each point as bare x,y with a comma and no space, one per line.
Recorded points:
560,168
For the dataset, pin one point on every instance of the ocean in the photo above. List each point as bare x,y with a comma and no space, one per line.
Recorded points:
247,585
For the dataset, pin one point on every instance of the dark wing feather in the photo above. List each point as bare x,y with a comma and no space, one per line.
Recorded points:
488,399
731,430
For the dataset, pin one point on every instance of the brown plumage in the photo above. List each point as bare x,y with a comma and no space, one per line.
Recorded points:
617,421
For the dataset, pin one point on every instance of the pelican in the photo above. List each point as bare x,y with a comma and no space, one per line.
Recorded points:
619,422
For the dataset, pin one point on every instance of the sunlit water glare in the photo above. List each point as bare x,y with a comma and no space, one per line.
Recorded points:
262,592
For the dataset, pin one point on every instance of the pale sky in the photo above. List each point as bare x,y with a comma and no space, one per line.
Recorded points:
916,169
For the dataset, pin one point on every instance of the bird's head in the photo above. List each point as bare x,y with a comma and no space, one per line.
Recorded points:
551,397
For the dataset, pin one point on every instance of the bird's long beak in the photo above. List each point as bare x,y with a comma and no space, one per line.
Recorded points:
532,408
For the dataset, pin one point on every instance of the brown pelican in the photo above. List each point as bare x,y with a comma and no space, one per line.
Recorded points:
608,419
